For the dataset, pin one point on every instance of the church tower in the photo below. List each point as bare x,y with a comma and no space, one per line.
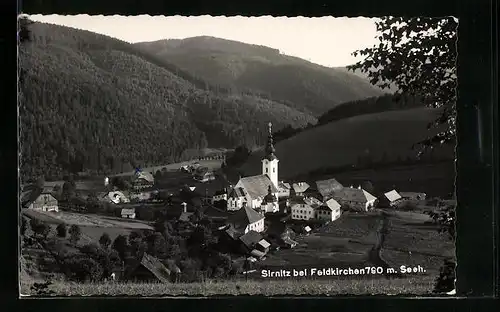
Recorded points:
270,161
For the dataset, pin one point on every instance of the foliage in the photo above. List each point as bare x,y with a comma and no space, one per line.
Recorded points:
42,289
39,228
120,244
105,240
75,233
445,282
122,106
418,56
61,230
444,216
83,268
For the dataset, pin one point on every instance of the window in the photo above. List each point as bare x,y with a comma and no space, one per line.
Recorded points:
267,170
274,170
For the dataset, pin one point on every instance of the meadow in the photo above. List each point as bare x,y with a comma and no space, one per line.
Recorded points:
211,164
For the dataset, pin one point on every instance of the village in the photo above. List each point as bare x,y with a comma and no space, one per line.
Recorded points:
256,218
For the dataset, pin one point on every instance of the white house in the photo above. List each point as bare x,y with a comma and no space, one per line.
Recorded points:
246,219
116,197
329,211
283,190
393,198
128,213
41,201
236,199
355,198
304,208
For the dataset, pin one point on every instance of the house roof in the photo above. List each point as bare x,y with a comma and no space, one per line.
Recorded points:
409,194
300,187
185,216
237,192
354,194
244,217
37,194
128,211
283,185
145,175
330,204
392,195
251,238
154,266
327,187
257,186
257,253
264,243
231,232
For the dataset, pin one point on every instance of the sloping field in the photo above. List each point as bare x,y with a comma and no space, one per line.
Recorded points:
341,142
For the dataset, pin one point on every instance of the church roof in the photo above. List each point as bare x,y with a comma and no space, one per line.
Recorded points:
270,198
258,185
244,217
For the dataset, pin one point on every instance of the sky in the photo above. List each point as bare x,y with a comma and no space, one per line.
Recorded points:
328,41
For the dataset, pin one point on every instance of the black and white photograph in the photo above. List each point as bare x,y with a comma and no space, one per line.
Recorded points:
231,155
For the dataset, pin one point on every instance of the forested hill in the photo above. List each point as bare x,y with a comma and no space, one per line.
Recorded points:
299,84
90,101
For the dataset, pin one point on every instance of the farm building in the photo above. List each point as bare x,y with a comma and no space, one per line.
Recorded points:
298,189
148,269
355,198
143,180
115,197
246,219
39,200
236,199
392,198
270,203
329,211
283,189
128,213
327,188
413,195
219,195
303,208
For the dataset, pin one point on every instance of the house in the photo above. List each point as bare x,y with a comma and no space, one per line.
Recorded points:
236,199
303,208
307,229
246,219
392,198
219,195
256,188
326,188
185,215
202,174
263,246
128,213
283,189
413,195
270,202
250,239
143,180
39,200
329,211
299,188
148,269
355,198
115,197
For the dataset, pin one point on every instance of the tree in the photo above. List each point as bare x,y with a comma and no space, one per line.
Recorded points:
417,55
75,233
61,230
105,240
368,186
120,244
69,189
39,228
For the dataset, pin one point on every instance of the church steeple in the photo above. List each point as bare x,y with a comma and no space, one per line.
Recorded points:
270,145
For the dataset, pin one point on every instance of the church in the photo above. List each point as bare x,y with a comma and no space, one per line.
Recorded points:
259,192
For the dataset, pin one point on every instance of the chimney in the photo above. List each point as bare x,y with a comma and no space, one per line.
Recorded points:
184,205
359,187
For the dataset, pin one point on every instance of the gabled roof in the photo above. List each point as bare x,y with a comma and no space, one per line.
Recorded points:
154,266
244,217
237,192
145,175
264,243
257,253
392,195
283,185
251,238
257,186
185,216
36,195
354,194
327,187
330,204
300,187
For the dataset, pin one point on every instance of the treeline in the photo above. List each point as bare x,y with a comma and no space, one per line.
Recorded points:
372,105
91,102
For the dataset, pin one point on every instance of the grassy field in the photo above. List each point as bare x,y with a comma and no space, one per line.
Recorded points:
409,286
341,142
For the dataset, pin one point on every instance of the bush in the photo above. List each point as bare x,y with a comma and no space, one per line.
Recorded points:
61,230
445,282
75,233
105,240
